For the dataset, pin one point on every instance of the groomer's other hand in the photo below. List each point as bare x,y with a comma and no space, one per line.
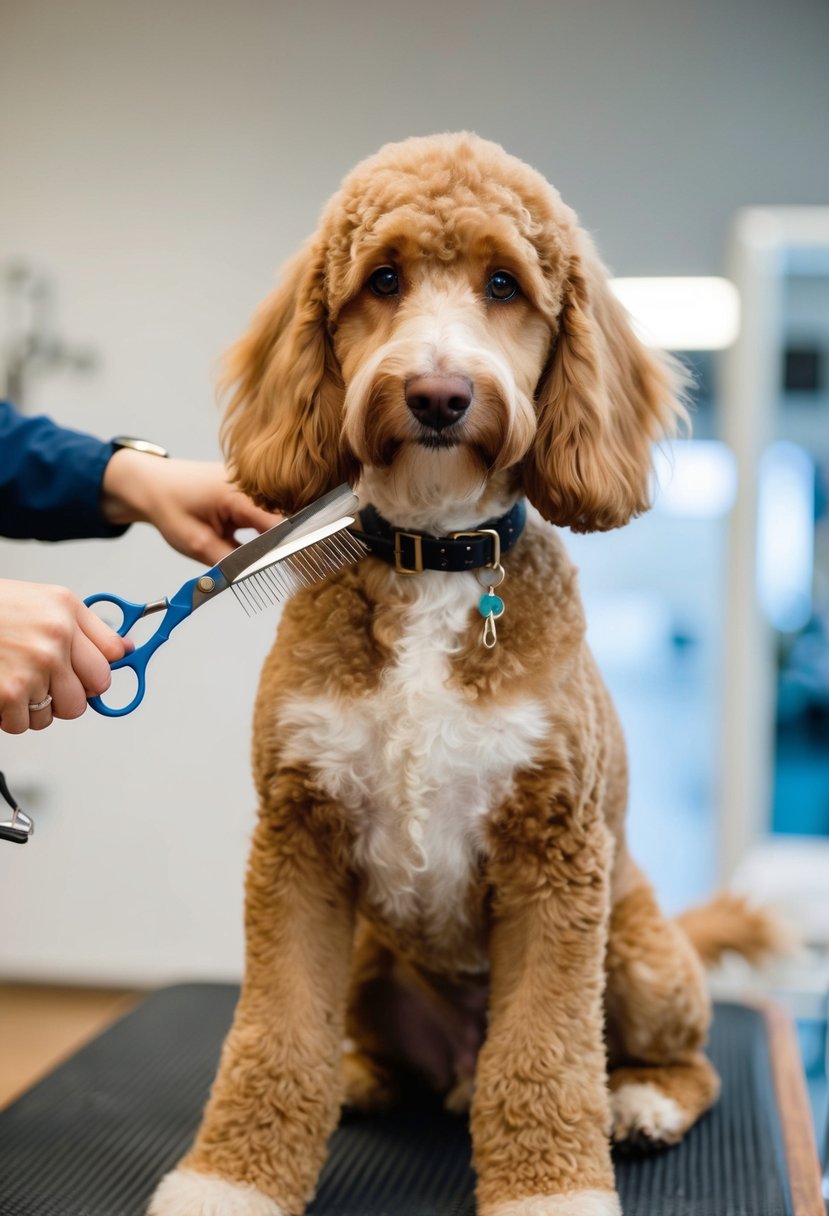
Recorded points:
191,502
51,644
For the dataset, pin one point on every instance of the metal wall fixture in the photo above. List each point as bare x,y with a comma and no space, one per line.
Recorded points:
31,344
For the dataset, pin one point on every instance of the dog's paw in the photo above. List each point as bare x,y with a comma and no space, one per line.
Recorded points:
459,1098
643,1115
577,1203
368,1087
187,1193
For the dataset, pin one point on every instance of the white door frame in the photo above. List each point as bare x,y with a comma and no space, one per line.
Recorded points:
767,244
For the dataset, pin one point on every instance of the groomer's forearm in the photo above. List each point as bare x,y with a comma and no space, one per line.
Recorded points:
50,480
128,488
190,502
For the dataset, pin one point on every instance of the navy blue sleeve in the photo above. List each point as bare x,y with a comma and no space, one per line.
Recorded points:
50,480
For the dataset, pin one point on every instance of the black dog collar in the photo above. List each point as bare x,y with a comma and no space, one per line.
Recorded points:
414,552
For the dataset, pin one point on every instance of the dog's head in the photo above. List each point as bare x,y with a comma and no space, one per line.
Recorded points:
449,339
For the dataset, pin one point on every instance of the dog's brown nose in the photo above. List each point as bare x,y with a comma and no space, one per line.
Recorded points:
438,401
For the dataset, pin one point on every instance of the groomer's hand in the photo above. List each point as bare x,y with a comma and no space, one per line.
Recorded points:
193,505
54,653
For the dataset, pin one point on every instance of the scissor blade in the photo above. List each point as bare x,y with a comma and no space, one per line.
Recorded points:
330,507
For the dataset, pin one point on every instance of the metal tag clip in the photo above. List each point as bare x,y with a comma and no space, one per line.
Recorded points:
490,576
17,826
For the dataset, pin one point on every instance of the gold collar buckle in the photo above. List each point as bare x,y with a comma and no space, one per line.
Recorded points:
417,541
495,538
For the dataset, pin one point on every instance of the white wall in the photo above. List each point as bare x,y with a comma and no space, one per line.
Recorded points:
159,161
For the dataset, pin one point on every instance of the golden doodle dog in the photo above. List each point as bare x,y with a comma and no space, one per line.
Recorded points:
439,885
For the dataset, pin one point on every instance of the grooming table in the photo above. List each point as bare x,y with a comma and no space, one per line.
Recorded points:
94,1137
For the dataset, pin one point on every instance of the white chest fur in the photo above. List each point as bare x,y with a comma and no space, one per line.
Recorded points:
415,764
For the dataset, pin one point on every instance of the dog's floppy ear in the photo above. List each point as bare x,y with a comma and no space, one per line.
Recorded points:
281,431
603,400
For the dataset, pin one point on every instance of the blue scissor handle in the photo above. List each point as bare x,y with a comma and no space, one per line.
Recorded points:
132,613
177,609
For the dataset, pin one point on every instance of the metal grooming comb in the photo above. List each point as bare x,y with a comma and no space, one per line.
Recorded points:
319,546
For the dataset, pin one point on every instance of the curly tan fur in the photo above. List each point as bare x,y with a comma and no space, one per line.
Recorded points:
731,922
439,871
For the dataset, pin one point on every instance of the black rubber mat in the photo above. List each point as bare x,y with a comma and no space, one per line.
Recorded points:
94,1137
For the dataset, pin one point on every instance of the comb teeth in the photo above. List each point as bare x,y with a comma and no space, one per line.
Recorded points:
304,568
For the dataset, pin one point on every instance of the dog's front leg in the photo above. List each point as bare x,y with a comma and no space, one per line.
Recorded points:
277,1095
540,1116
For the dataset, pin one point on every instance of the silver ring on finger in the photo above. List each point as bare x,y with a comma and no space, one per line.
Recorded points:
47,700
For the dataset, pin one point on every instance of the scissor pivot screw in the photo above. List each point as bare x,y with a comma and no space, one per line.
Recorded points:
206,583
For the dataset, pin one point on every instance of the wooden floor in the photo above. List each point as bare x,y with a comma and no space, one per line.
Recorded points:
42,1025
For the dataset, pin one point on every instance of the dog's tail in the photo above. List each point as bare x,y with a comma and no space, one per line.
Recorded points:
729,922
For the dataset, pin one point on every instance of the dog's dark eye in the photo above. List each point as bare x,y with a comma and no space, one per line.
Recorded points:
501,286
385,281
